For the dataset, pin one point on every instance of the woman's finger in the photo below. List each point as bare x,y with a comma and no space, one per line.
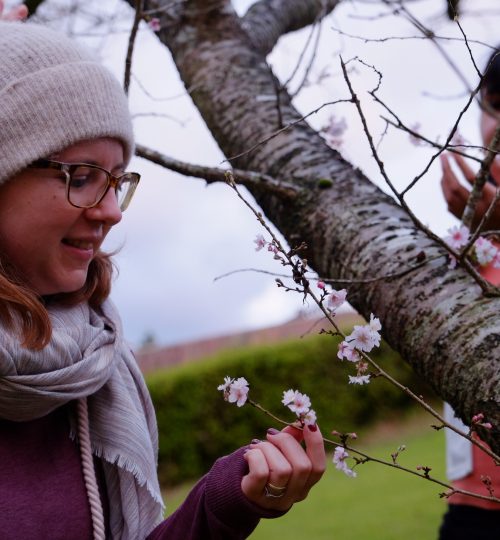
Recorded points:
467,171
17,13
253,483
315,449
309,465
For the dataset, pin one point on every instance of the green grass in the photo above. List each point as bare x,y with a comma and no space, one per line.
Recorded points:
380,504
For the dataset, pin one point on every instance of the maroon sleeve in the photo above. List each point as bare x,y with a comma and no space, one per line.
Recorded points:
216,508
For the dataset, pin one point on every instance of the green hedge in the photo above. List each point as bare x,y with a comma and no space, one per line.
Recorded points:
196,425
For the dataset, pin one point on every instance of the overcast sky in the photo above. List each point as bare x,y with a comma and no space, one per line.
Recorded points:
178,234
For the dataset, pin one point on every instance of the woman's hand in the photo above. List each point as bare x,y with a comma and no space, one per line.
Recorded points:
456,194
281,471
17,13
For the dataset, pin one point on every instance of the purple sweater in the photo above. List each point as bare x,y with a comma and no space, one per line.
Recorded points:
42,492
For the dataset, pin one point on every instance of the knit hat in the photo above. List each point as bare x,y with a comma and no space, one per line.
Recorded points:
53,93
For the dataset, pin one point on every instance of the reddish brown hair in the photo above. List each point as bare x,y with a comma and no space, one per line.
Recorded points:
20,304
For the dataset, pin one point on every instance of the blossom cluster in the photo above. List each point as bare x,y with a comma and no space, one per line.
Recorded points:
483,251
300,404
235,390
339,459
363,338
478,420
261,243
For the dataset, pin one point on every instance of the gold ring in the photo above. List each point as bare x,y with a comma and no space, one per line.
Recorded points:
276,492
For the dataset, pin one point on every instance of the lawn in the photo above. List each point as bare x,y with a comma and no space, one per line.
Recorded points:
380,504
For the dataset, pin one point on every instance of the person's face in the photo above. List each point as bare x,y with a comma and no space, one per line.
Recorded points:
49,242
489,122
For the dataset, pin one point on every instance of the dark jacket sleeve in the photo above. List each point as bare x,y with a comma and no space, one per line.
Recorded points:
216,508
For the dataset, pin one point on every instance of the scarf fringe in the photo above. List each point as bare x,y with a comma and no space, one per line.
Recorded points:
126,465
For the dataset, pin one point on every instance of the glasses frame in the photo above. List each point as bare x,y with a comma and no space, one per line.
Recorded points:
68,169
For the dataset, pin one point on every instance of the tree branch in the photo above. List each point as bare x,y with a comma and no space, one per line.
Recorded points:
258,181
267,20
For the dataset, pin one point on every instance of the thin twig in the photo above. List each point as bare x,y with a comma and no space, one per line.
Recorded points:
131,43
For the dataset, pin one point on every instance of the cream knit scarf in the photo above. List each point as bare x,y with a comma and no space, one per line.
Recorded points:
88,357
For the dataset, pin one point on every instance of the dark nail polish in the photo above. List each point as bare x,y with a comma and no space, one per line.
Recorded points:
313,428
256,441
272,431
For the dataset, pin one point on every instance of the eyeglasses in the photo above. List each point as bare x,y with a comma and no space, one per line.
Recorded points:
87,185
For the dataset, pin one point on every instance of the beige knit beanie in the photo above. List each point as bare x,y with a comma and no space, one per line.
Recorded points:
53,93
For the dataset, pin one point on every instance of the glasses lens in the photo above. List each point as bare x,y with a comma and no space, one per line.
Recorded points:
125,189
87,185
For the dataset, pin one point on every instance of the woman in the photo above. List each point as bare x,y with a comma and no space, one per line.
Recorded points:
78,437
467,465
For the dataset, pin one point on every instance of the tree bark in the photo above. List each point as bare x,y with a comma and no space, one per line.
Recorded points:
435,317
266,21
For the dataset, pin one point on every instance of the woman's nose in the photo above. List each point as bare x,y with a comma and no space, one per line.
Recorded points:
108,209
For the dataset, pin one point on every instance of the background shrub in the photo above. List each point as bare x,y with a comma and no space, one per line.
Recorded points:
196,425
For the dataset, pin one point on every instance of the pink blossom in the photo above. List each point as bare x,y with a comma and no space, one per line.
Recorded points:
485,251
238,392
273,248
260,242
479,417
309,418
339,456
457,236
374,323
496,260
300,404
321,285
359,379
336,298
347,351
227,383
288,396
363,338
487,425
154,24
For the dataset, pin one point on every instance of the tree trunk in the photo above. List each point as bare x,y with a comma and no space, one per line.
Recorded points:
435,317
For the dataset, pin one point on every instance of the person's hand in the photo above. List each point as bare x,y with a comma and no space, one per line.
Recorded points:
17,13
456,194
281,471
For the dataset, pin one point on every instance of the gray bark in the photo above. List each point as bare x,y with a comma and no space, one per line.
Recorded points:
266,21
436,318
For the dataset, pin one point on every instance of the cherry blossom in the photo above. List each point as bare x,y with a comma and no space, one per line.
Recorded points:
374,323
363,338
346,350
227,383
288,396
457,236
336,298
154,24
339,456
485,251
260,242
310,418
235,391
300,403
321,285
359,379
238,392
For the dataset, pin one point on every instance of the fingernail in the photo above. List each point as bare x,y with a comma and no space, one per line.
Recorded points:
272,431
313,428
256,441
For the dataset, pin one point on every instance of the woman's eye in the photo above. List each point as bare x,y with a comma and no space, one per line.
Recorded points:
84,177
79,181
